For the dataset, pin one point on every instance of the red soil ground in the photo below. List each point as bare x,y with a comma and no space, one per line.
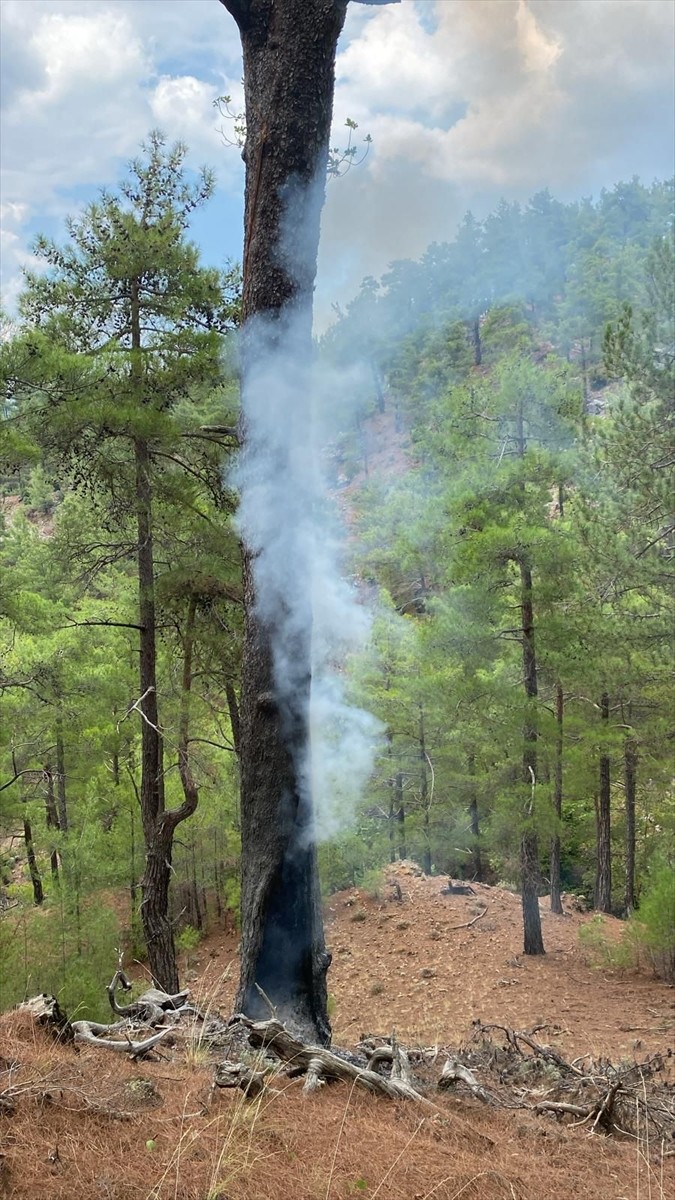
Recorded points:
94,1125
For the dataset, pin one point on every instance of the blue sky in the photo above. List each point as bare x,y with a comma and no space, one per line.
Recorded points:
466,100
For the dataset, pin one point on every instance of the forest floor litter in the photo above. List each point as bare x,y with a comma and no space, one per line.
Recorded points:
556,1074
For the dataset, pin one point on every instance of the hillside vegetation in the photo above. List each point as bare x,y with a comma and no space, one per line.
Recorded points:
504,460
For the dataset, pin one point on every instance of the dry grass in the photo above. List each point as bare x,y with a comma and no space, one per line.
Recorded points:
80,1132
88,1125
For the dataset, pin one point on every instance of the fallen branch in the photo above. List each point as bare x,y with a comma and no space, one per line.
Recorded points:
514,1036
322,1065
454,1072
151,1007
85,1031
468,924
231,1075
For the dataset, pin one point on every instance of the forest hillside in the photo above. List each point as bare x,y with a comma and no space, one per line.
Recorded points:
494,789
503,457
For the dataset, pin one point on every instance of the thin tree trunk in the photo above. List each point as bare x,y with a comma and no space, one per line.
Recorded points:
556,901
61,802
603,878
424,797
529,847
477,345
400,815
52,819
529,850
474,821
289,55
157,928
630,761
36,881
379,390
132,866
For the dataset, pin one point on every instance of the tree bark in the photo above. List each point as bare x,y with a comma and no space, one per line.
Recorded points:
477,344
529,850
630,780
157,928
400,815
529,847
51,819
61,802
603,878
474,822
33,870
556,901
289,55
425,798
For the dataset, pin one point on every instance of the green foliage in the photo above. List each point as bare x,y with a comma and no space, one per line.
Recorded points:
64,949
652,928
188,939
603,951
526,450
120,345
526,369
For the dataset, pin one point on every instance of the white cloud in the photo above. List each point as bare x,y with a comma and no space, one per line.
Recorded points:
468,102
85,48
183,105
83,83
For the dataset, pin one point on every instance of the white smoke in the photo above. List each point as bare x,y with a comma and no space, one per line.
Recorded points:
286,520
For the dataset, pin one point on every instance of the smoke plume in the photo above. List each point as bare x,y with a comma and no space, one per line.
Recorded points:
286,520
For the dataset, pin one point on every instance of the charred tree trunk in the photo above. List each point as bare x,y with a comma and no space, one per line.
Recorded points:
556,901
603,877
630,761
289,56
529,850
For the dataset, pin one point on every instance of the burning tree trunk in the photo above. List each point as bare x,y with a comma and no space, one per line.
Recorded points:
289,54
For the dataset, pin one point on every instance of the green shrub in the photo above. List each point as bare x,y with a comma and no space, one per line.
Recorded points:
652,928
600,950
70,954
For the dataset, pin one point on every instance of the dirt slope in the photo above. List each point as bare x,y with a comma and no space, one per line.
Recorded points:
89,1124
406,966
